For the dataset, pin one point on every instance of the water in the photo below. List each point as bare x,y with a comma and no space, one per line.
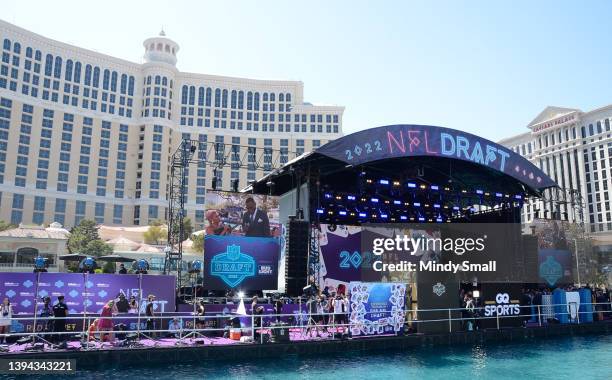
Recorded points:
573,358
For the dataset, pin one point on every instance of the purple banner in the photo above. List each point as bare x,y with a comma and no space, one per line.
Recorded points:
239,262
88,292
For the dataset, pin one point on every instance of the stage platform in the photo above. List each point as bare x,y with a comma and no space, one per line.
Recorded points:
171,351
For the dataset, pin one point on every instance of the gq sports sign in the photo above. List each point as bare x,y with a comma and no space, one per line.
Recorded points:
396,141
503,301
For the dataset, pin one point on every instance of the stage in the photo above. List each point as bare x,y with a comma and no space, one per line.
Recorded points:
221,349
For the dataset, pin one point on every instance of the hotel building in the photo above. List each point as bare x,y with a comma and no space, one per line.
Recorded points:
575,149
87,135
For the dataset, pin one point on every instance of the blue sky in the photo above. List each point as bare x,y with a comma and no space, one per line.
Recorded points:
486,67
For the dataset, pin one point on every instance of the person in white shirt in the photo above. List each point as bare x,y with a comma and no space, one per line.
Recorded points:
6,315
175,328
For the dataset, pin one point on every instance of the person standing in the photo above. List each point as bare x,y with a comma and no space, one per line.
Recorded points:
6,315
133,305
255,222
60,312
122,269
150,313
46,314
105,324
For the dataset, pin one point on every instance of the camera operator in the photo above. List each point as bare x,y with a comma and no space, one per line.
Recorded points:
278,308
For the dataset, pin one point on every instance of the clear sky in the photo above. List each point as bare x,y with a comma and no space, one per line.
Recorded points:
486,67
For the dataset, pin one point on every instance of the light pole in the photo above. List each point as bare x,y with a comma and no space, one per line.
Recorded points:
577,266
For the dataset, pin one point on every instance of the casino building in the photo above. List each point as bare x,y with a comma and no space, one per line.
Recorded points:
87,135
575,149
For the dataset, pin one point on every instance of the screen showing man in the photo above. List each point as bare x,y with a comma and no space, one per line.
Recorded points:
255,221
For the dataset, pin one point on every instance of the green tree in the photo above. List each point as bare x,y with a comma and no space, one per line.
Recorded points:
81,235
108,267
198,243
187,228
97,248
155,234
6,226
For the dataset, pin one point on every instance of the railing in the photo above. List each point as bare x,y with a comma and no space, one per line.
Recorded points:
23,265
303,323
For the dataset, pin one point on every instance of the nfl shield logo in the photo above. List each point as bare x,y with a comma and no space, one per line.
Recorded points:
439,289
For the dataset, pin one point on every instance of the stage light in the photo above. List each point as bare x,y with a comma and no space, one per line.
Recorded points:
498,195
320,211
476,293
423,187
142,265
436,205
447,188
487,194
374,216
411,185
426,204
343,213
384,216
396,183
368,180
352,214
363,215
339,198
439,220
464,191
387,201
88,264
195,266
435,187
40,264
350,197
456,208
363,199
479,192
403,217
406,203
330,212
384,181
397,202
241,294
328,195
412,218
506,195
421,219
374,200
518,197
417,204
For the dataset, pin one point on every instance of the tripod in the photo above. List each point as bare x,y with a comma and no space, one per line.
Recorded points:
194,332
35,336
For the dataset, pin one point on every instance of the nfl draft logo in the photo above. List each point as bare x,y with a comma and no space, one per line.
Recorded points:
551,270
439,289
232,266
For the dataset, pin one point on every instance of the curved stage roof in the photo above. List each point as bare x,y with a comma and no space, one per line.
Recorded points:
434,154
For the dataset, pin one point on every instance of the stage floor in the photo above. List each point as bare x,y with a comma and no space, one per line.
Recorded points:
295,335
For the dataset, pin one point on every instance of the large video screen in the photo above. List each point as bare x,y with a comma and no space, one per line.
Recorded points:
242,242
555,244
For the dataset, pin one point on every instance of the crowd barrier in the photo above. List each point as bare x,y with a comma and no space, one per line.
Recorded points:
301,324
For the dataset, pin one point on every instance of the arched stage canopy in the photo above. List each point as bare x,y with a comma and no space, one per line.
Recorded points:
433,154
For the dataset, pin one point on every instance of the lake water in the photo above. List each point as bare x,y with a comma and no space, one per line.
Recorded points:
573,358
